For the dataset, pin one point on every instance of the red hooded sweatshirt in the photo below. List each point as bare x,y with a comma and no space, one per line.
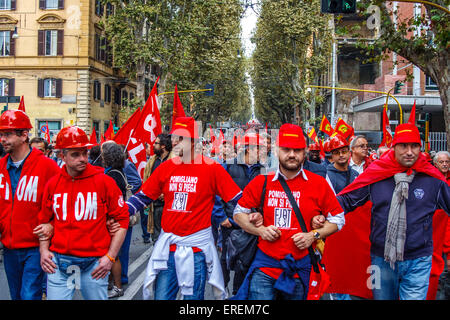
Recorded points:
19,214
79,208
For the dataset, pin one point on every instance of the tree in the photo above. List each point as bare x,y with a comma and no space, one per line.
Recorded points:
423,40
293,45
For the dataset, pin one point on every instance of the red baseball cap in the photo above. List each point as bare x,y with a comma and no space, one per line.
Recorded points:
406,133
291,136
185,127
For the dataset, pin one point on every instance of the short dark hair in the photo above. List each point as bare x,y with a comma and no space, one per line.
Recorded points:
94,152
113,156
165,140
39,140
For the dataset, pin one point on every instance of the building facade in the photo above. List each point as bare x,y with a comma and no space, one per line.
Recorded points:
55,54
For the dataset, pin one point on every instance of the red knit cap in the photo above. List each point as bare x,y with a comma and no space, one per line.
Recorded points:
406,133
291,136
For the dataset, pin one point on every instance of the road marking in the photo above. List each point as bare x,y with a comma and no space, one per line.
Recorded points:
139,261
135,286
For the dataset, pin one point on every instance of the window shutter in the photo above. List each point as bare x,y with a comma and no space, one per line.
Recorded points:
40,88
60,43
60,4
103,49
42,4
58,88
12,44
13,4
11,87
41,46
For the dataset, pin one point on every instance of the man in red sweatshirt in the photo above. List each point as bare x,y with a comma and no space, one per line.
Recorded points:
23,174
78,203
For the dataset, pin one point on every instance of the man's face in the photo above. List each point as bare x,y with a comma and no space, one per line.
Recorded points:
39,146
253,154
157,147
443,164
181,145
361,148
340,156
76,159
407,154
314,155
11,141
291,159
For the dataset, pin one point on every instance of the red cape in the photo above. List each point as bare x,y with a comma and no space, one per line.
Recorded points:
347,252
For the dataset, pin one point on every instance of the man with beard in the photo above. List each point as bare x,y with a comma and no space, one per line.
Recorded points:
162,148
282,264
24,172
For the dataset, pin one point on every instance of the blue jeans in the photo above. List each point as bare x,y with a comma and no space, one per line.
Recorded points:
262,288
75,273
124,255
408,281
24,273
166,287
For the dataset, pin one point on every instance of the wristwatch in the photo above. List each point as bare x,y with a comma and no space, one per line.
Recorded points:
316,235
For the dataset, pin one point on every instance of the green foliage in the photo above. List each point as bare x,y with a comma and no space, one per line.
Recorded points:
194,42
293,45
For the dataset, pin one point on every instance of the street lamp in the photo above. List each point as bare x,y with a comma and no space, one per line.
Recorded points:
15,35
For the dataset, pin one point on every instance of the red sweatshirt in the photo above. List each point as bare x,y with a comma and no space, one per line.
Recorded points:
19,214
79,208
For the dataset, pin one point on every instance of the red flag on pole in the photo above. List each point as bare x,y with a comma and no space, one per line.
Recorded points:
109,133
343,128
22,105
93,137
178,110
412,116
326,127
313,135
123,135
47,131
387,133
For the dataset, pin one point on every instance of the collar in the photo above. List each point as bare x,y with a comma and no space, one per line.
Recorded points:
9,163
357,165
278,173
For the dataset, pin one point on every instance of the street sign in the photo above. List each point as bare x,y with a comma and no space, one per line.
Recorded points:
9,99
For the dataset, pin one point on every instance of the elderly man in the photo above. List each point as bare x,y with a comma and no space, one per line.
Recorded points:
405,191
442,162
360,151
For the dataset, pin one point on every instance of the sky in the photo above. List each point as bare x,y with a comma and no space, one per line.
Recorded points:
248,24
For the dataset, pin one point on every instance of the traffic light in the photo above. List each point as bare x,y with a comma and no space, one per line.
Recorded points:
398,86
338,6
422,130
210,92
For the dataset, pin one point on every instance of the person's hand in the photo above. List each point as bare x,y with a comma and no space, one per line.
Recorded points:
226,223
112,226
256,218
103,268
161,197
44,231
303,240
318,221
270,233
47,263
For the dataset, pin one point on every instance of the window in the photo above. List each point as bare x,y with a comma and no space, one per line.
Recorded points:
51,4
6,87
50,42
5,4
109,9
430,84
50,88
117,96
107,93
100,46
5,37
96,125
99,8
97,90
53,127
124,98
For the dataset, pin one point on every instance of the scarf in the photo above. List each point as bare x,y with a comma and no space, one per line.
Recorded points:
396,227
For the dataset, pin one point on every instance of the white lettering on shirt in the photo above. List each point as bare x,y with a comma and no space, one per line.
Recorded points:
27,191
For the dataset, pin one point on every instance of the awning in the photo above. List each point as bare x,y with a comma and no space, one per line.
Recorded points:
423,103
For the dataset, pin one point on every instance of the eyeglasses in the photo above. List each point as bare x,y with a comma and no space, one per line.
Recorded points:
156,143
362,146
444,161
339,151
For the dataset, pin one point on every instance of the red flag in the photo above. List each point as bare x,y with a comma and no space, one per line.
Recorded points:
387,133
325,126
313,135
343,128
47,131
93,137
149,125
123,135
178,110
109,133
412,116
22,105
322,151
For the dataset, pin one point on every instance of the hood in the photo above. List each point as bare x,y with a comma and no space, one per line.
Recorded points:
89,172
